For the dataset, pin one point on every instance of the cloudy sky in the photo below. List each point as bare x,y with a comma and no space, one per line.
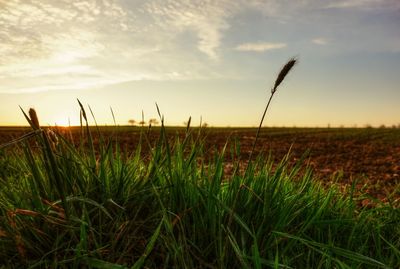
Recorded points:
211,59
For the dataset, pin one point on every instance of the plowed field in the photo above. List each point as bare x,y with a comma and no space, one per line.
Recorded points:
368,156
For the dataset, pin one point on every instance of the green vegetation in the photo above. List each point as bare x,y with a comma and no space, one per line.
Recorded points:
74,206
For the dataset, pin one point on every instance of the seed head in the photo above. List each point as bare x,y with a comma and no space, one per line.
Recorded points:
34,118
285,70
52,138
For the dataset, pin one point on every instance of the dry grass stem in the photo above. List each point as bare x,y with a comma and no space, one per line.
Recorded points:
281,76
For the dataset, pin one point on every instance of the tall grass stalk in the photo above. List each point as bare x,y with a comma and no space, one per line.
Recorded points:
281,76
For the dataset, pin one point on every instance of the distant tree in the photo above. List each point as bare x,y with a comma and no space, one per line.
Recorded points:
205,125
132,122
153,121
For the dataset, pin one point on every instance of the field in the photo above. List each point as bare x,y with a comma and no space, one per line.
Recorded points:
168,197
368,157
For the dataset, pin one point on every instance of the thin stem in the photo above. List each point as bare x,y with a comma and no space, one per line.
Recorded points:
258,130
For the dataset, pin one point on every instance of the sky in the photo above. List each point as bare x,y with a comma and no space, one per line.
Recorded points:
214,60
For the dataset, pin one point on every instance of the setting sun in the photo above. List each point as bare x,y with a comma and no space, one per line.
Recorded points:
63,123
63,119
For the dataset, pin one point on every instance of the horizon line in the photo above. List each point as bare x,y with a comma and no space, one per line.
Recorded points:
340,126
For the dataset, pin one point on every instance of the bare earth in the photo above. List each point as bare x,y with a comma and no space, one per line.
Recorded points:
368,156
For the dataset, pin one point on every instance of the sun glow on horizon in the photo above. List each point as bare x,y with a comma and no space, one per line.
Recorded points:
62,119
63,123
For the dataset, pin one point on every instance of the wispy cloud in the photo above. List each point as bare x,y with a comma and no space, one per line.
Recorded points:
66,43
260,46
320,41
363,4
130,39
47,41
207,20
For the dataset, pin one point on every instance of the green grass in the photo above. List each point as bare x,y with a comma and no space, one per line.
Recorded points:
84,206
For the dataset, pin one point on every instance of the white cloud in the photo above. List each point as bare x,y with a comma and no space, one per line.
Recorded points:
71,85
48,40
64,43
320,41
207,20
260,46
46,44
286,10
363,4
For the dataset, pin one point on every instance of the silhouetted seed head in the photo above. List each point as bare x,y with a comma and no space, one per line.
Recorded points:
285,70
34,118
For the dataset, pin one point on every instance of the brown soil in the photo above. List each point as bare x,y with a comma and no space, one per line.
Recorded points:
370,157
